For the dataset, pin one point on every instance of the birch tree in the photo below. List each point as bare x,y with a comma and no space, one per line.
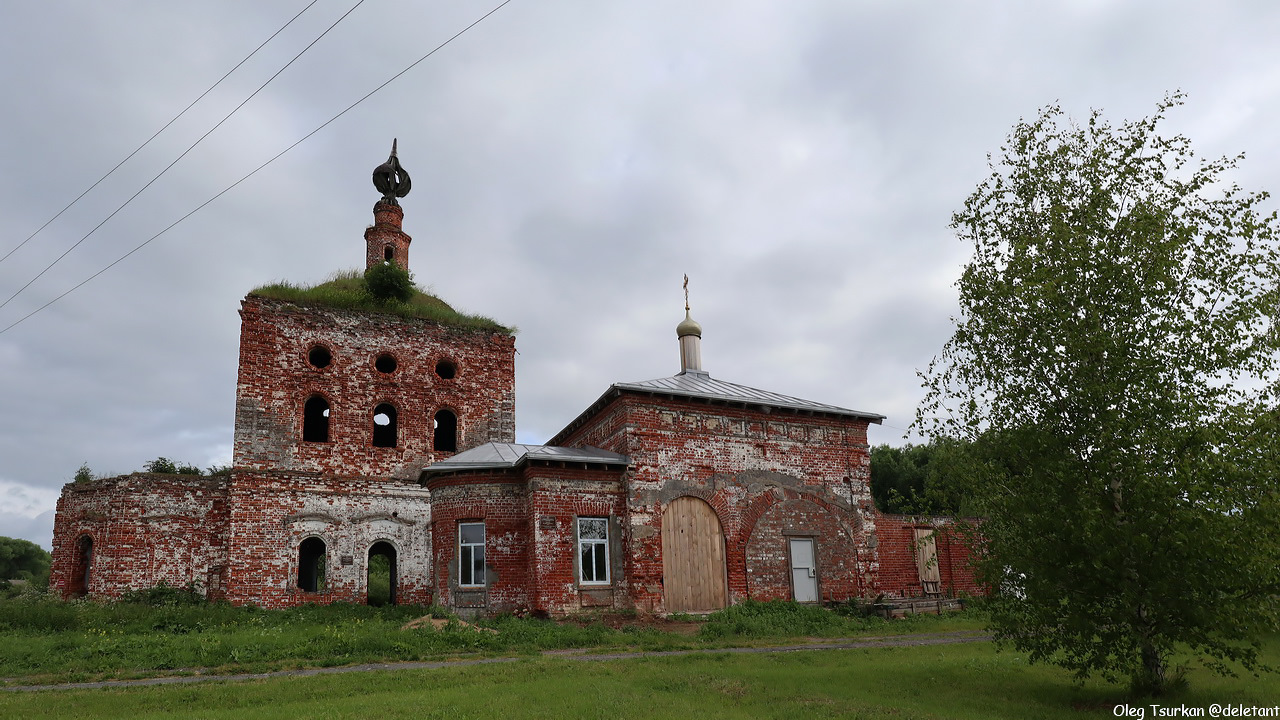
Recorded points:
1114,363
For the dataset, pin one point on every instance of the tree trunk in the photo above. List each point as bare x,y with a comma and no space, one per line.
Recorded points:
1153,679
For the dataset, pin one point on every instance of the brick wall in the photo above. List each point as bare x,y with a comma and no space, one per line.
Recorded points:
277,377
498,499
899,576
272,513
145,529
558,496
741,461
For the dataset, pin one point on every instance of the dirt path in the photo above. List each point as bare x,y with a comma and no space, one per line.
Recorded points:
949,638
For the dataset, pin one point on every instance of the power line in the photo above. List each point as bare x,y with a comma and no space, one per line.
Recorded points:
157,133
258,169
179,158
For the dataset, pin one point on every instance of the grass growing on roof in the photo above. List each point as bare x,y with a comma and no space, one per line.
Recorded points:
345,290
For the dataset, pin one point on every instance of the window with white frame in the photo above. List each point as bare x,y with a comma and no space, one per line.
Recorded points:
593,550
471,554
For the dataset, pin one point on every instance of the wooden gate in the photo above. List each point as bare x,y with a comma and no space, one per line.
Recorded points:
693,568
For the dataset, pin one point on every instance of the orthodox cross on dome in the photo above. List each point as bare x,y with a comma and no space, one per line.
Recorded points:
390,179
686,292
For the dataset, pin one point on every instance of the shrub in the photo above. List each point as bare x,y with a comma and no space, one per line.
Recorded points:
165,595
164,466
389,281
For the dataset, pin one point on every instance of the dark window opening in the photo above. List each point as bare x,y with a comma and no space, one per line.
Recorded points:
311,565
445,435
384,426
382,574
320,357
388,253
315,420
83,567
446,369
386,363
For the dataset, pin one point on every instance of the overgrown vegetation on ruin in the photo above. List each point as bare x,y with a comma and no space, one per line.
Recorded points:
348,290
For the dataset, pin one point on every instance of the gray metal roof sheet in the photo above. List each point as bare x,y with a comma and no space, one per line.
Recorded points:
508,455
701,385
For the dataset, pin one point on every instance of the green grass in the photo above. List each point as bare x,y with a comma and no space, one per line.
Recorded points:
346,291
952,681
43,640
47,640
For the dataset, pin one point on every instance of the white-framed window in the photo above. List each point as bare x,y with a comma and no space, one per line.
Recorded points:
593,550
471,554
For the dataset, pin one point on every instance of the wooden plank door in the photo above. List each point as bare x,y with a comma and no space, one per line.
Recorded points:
693,566
927,560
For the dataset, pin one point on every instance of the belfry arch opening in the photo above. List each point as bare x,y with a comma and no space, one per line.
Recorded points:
384,426
445,432
315,420
381,577
311,565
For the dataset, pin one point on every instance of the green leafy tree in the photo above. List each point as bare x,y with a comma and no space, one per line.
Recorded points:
389,281
919,478
83,474
1115,364
24,560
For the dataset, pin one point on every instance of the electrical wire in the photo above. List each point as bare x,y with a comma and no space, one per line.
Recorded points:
179,158
157,133
258,169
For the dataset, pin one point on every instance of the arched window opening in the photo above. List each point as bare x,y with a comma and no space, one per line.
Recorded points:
445,433
382,574
384,426
315,420
311,565
83,567
388,253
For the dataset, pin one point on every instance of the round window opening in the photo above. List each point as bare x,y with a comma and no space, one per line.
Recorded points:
320,357
446,369
385,363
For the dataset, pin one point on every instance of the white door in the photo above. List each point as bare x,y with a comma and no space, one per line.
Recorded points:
804,570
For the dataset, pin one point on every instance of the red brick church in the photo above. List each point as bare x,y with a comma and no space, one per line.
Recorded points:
361,433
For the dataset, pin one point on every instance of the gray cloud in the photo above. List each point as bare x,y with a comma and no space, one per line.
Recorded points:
571,162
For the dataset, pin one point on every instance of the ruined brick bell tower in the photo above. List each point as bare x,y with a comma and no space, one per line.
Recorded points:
340,403
325,388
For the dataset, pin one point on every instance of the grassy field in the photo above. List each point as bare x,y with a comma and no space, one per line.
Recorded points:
44,640
48,641
952,681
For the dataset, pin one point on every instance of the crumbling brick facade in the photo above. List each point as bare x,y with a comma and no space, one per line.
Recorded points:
768,475
360,432
900,551
136,531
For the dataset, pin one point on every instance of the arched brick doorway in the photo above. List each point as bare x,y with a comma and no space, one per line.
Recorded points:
693,557
381,577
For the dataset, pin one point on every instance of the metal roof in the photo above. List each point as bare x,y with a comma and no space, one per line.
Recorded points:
497,455
699,384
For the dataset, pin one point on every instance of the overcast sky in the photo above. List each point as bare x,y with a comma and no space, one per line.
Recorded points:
571,161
